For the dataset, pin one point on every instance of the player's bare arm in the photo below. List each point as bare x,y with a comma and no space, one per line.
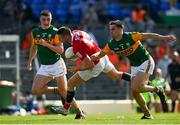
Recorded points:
32,54
166,38
86,64
58,48
98,55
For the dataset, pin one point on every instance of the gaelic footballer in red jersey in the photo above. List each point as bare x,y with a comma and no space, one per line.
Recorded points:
84,46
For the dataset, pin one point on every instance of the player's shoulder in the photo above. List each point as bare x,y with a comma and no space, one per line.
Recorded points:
77,32
77,35
111,40
36,29
54,28
130,33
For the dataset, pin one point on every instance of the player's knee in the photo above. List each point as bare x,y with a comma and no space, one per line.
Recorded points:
135,87
135,90
71,87
115,74
138,87
141,87
118,76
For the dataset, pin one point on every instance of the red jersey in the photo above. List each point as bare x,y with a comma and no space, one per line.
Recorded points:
84,45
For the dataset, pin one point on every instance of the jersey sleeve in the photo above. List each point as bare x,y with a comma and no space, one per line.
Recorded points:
106,49
33,41
136,36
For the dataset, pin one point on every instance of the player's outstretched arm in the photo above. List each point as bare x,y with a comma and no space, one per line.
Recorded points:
86,64
166,38
98,55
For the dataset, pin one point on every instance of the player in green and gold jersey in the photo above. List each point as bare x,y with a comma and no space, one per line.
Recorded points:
47,46
128,44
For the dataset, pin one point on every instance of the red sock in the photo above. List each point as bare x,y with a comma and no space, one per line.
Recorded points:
66,105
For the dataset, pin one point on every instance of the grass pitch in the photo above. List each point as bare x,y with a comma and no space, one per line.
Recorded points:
160,118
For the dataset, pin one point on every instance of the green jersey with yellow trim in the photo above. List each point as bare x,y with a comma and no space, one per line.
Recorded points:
130,48
45,55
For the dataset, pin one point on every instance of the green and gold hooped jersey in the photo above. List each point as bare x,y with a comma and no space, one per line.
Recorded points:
129,46
45,55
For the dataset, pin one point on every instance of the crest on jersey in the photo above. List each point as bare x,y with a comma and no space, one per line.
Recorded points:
49,36
76,37
44,35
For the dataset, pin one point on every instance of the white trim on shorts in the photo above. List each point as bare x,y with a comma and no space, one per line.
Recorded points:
55,70
104,65
146,67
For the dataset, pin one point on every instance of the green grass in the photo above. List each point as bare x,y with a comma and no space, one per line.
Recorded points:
166,118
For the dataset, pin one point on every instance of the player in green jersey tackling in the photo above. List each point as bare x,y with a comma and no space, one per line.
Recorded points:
128,44
47,46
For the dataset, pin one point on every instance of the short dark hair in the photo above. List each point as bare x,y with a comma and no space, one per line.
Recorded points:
118,23
64,30
46,13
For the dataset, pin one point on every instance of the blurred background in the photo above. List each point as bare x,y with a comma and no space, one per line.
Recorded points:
18,17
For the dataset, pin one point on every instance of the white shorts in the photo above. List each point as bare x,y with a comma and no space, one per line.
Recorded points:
55,70
146,67
104,65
